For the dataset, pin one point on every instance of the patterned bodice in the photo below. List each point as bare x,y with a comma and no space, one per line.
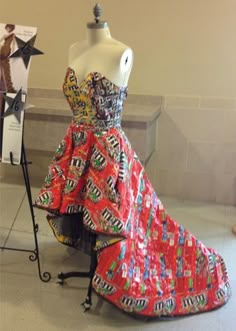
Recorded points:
96,101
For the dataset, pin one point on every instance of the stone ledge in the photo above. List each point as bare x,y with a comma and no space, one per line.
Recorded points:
49,115
45,108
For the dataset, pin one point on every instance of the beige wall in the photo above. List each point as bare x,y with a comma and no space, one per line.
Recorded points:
182,47
196,156
185,50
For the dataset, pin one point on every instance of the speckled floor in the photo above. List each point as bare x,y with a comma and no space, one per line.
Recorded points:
26,303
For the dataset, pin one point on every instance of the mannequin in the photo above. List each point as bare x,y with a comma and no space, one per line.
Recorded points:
97,192
101,53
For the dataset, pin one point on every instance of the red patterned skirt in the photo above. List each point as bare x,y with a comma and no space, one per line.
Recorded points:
148,264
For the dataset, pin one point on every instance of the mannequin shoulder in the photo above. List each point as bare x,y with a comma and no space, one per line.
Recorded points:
121,53
109,57
76,50
118,46
126,59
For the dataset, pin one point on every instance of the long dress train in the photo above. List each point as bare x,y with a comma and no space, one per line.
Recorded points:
148,264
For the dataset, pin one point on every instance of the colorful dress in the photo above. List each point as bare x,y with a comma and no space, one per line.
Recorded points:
147,264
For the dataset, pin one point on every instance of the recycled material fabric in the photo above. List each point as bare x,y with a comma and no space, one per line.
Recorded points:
148,264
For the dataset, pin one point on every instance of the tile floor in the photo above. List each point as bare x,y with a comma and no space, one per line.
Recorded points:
26,303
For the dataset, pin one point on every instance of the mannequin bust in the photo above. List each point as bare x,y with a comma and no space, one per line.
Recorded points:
101,53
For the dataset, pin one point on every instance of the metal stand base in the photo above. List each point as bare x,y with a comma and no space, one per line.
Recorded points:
45,276
83,274
78,274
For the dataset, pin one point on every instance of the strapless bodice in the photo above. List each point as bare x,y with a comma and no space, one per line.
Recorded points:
96,101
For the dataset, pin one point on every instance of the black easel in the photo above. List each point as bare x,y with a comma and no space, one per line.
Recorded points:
46,276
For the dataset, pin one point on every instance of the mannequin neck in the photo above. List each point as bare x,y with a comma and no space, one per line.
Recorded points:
96,35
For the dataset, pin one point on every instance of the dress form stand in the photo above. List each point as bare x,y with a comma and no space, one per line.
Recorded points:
45,276
113,59
93,255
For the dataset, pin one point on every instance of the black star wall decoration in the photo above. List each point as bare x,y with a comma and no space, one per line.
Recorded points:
26,50
15,105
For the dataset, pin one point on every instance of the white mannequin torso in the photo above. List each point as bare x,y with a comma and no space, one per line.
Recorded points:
101,53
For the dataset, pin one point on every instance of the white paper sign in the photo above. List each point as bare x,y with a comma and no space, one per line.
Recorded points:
12,135
13,77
